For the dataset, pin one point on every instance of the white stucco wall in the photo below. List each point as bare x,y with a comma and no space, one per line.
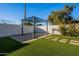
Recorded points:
50,29
9,29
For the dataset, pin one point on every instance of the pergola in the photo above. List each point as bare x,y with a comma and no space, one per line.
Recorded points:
34,20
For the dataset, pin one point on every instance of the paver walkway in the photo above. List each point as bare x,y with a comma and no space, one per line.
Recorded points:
35,39
29,37
74,42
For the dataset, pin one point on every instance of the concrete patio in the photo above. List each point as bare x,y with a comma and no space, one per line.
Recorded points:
26,37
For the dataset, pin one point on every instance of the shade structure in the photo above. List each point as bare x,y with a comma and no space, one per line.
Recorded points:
37,19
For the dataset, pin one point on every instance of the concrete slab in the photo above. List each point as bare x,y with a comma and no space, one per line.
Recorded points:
55,39
26,37
49,38
63,40
75,42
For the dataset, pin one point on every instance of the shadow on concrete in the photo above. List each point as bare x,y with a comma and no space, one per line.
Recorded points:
29,36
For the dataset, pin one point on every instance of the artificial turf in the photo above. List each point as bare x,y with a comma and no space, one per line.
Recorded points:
46,47
8,45
40,47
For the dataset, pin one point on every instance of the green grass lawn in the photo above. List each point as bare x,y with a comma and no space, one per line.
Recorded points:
8,45
47,47
64,37
41,47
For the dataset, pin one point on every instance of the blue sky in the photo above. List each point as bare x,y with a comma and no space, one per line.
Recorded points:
12,12
43,10
15,11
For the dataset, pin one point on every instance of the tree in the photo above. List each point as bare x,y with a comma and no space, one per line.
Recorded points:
63,17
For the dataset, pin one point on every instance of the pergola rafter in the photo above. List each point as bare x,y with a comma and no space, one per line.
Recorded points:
35,20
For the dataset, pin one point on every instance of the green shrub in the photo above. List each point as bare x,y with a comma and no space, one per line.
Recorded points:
63,29
69,30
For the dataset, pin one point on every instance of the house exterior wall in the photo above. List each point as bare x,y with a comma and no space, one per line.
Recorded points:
9,29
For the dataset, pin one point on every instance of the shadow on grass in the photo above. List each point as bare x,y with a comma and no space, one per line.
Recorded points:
5,52
8,45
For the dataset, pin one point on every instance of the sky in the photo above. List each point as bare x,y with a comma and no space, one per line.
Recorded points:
14,12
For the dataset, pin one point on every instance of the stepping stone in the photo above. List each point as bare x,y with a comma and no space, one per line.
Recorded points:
42,37
48,37
74,42
63,40
55,39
